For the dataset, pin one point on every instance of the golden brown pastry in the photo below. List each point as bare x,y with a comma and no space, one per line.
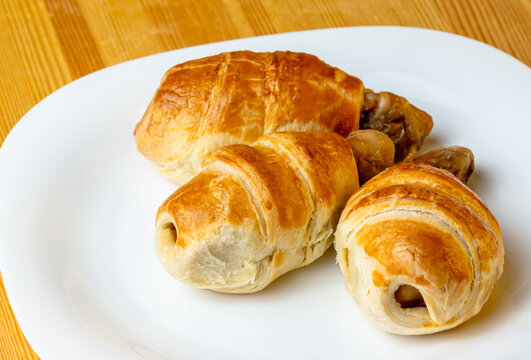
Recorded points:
420,252
256,212
234,98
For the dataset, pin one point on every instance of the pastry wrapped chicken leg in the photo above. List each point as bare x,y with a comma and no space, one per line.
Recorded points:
256,212
420,252
234,98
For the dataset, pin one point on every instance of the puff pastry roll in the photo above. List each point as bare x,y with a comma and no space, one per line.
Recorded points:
420,252
256,212
234,98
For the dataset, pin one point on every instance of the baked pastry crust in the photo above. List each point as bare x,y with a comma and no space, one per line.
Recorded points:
236,97
256,212
418,230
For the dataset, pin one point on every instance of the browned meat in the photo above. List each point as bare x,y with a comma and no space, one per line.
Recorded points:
408,296
405,124
373,150
455,159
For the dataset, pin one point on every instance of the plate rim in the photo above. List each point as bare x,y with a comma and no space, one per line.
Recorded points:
296,32
14,134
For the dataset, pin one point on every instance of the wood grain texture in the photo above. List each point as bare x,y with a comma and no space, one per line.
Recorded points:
48,43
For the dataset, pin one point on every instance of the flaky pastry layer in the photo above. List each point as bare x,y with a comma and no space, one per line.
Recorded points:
256,211
420,252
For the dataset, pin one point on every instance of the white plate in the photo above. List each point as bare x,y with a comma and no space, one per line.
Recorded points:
78,205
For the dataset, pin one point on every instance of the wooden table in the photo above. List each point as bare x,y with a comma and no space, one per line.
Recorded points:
46,44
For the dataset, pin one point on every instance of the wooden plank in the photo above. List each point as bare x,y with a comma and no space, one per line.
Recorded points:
13,344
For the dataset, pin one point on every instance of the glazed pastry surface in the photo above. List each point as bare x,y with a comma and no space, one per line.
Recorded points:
256,211
234,98
420,252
